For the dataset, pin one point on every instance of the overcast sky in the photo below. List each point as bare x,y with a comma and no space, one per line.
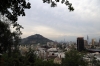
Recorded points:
59,23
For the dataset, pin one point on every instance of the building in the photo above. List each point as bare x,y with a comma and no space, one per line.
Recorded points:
93,41
87,39
85,43
80,43
99,42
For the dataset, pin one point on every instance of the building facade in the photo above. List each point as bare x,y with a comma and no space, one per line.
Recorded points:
80,43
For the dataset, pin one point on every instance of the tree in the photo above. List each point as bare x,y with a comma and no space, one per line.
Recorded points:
8,38
73,58
17,59
54,3
10,10
40,62
5,36
13,8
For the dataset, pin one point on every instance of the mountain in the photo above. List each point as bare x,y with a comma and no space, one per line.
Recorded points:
35,39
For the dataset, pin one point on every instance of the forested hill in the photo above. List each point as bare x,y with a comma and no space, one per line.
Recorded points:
35,39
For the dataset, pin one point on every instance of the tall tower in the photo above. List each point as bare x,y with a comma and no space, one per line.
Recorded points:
87,39
80,43
85,43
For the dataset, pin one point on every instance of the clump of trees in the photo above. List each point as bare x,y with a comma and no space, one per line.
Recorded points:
16,59
74,58
29,59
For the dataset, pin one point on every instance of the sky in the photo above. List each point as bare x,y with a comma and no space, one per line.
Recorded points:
59,23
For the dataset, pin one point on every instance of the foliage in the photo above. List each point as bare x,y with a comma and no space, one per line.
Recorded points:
8,38
40,62
13,8
73,58
10,10
5,36
54,3
29,59
17,59
10,61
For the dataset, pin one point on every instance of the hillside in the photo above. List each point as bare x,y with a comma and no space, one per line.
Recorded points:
35,39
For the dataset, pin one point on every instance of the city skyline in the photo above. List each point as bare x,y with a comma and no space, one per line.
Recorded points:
58,23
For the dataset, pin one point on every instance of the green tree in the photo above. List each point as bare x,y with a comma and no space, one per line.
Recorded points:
5,36
13,60
10,10
8,38
13,8
40,62
73,58
16,59
54,3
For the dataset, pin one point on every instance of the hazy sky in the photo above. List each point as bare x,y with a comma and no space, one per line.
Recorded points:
59,24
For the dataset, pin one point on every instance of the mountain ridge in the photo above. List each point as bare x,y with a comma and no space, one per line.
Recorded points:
35,39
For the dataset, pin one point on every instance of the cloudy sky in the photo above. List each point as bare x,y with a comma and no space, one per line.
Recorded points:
59,23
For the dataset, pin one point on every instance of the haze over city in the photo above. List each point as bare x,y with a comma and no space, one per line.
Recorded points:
58,23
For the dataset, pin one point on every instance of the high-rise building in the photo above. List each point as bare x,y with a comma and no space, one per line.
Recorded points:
87,39
85,43
93,41
80,43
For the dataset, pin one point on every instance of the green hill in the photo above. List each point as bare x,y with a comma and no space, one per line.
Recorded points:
35,39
